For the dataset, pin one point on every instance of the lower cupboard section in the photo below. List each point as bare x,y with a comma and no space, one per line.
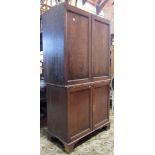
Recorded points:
74,111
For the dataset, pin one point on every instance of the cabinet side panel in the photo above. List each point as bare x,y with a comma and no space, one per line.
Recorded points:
53,44
57,111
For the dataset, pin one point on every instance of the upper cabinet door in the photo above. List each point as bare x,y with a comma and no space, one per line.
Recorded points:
100,47
78,45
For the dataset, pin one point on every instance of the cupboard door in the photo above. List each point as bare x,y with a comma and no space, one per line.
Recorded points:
100,104
77,38
79,111
100,47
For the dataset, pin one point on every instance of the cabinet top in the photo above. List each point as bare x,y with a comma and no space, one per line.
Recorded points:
69,7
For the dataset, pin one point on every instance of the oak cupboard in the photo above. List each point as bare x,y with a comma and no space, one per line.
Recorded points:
76,66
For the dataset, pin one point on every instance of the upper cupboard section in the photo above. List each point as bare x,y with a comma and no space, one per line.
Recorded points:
75,45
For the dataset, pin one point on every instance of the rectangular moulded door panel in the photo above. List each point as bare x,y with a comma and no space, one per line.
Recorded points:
77,47
79,111
100,103
100,47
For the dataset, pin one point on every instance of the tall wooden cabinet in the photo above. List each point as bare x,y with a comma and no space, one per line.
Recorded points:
76,65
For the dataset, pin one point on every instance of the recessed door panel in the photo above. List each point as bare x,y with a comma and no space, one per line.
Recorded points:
100,48
79,112
78,45
100,105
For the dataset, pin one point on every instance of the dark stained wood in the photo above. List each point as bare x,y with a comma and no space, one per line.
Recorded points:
100,104
100,47
76,47
77,50
79,110
68,58
53,44
57,111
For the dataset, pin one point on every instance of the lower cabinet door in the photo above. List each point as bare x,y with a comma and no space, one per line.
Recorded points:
100,104
79,111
